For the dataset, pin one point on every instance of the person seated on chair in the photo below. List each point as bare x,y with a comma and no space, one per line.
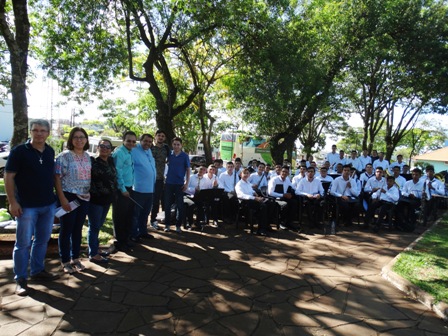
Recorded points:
228,181
276,171
238,167
366,175
381,162
310,193
246,193
197,183
399,180
433,188
281,189
338,169
374,184
383,199
324,177
409,202
258,179
300,174
346,192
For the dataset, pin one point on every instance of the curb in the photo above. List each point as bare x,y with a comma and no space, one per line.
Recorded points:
440,309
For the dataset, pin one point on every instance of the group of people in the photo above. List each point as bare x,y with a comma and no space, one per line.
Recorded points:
131,178
138,178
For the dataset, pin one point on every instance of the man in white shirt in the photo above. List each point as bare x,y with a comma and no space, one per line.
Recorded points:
346,192
364,177
310,193
433,188
228,181
365,159
197,183
354,161
280,187
332,157
276,171
375,183
410,201
323,176
258,179
300,174
238,167
381,162
245,192
399,180
341,159
384,200
399,163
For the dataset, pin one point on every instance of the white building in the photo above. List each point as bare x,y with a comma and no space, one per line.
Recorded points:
6,120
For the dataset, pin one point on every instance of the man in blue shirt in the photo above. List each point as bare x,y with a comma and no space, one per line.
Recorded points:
177,180
143,188
122,211
29,183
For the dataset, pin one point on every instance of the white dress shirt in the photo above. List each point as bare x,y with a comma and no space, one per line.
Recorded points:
228,182
411,188
244,190
339,187
259,180
278,180
310,188
391,195
373,183
364,160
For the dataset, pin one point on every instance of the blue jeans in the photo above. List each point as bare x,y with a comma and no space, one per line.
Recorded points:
37,222
173,192
71,230
140,220
97,215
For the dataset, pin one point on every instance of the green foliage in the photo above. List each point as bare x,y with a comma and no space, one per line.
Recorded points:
426,264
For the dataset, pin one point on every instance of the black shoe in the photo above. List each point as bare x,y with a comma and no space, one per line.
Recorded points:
44,276
99,261
22,287
261,233
376,228
122,248
146,236
133,241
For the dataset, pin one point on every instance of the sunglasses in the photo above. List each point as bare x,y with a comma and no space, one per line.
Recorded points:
104,146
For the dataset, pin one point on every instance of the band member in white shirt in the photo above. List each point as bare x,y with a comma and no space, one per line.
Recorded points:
310,193
346,192
354,161
332,157
365,159
259,178
245,192
383,199
280,187
398,163
399,180
433,188
381,162
410,201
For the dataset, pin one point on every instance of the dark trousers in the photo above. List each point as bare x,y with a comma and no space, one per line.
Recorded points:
71,229
405,214
430,210
288,209
383,207
158,199
348,208
174,195
230,204
312,208
122,216
261,211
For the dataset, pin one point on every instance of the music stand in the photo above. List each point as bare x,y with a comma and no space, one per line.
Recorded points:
205,195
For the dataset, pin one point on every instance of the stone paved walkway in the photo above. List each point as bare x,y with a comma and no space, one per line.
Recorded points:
226,282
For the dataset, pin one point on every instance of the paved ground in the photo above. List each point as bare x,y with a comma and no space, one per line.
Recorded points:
226,282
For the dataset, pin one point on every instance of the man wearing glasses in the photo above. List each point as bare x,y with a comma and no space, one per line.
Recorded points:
29,183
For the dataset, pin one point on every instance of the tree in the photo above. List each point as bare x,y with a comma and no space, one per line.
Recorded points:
289,63
93,41
17,39
402,67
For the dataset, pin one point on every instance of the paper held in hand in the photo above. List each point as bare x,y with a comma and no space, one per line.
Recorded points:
61,212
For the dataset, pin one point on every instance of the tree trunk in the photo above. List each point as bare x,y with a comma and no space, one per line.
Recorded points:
17,39
165,123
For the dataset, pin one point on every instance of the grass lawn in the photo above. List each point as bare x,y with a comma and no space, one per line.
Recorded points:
106,232
427,264
2,186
